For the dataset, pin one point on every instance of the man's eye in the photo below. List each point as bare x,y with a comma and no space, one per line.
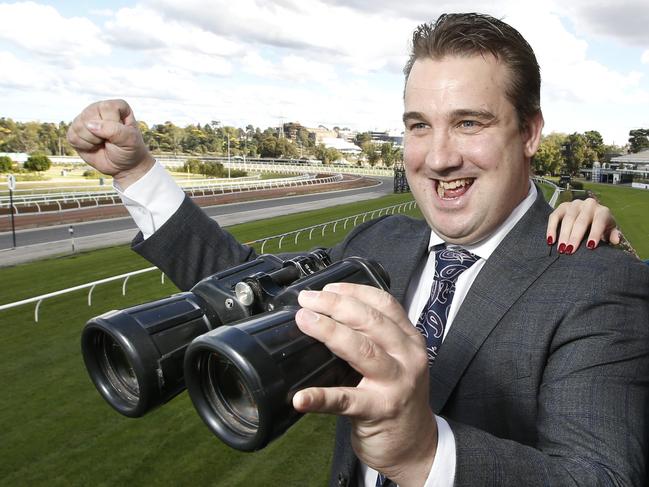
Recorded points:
417,126
470,125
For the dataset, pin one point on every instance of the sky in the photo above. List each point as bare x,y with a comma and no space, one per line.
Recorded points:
331,63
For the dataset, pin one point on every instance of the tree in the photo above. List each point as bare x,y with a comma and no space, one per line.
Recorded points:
576,153
327,155
595,143
37,162
362,138
638,140
6,164
389,154
547,159
371,152
268,146
167,137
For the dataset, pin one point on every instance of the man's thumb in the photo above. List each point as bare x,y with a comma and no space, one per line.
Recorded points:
113,132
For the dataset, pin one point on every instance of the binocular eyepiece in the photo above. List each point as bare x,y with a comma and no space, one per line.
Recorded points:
241,377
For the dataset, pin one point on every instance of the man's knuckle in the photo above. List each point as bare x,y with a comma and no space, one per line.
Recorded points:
367,350
343,401
374,316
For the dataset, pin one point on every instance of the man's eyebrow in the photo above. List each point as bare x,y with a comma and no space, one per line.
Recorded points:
485,115
481,114
413,116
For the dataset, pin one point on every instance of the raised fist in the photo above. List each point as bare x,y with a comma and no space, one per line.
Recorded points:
106,136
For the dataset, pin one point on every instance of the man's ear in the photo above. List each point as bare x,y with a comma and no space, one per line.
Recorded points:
532,134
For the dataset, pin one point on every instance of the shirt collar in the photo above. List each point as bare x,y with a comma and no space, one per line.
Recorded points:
486,246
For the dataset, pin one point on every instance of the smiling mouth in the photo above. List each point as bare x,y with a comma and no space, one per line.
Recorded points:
448,190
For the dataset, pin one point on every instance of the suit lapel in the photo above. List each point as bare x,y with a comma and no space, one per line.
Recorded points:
515,264
401,254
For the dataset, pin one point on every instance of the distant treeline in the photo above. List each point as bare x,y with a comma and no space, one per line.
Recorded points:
210,138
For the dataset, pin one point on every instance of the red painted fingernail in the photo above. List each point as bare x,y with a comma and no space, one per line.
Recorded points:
591,244
569,249
550,240
562,247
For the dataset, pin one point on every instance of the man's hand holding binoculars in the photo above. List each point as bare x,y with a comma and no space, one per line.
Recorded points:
393,428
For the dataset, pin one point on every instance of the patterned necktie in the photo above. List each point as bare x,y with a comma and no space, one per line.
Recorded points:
449,264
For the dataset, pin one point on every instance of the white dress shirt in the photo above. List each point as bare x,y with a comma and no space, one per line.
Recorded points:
154,198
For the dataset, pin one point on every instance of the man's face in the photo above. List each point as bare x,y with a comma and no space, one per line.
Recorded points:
466,160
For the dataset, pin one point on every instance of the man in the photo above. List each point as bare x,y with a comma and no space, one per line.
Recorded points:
542,377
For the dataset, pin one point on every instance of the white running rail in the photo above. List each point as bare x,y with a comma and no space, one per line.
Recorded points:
333,224
45,202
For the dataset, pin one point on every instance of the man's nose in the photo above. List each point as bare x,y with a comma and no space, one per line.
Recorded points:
442,154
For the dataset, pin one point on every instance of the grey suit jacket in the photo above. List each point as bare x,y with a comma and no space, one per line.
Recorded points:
544,375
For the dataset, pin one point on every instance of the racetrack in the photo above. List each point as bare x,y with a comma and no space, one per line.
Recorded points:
34,244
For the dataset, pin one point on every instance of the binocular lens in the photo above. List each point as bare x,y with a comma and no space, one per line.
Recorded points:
229,395
117,369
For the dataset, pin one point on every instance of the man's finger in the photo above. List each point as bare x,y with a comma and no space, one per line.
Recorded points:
357,315
115,111
83,140
376,299
346,401
78,133
359,351
114,132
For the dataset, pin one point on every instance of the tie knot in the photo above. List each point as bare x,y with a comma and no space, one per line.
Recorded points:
450,263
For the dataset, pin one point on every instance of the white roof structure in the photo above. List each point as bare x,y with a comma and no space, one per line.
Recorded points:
641,158
341,144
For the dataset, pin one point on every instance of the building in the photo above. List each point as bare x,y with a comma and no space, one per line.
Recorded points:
341,145
638,161
385,137
317,135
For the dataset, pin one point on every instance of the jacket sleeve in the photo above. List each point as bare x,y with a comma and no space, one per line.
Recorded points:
191,246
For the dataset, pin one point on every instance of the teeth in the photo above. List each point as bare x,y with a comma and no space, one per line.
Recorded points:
442,186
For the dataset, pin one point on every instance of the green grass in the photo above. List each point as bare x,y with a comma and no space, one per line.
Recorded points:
630,207
547,190
57,431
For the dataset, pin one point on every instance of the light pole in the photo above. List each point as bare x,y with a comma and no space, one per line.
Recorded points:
11,182
228,157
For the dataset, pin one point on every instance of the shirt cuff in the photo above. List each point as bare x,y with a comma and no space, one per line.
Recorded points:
442,473
152,199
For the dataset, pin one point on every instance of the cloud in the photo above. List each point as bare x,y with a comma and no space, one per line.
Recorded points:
361,40
144,28
626,21
645,57
292,68
40,29
25,75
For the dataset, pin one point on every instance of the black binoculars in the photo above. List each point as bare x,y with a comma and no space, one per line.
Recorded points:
241,377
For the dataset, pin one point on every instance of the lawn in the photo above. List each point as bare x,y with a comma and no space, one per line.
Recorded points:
57,431
630,207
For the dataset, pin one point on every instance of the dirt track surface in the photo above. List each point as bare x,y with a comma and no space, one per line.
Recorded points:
108,210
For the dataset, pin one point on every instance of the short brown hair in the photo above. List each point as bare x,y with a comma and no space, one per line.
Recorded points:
470,34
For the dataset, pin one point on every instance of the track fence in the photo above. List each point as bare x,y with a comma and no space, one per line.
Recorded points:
74,200
294,236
